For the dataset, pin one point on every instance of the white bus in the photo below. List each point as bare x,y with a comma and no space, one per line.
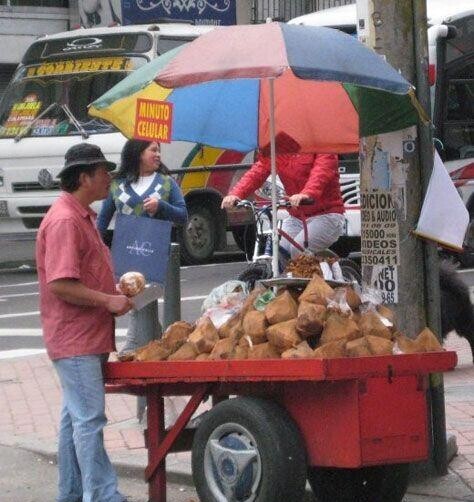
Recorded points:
451,58
44,111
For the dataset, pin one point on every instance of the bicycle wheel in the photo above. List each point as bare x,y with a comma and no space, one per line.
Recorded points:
350,270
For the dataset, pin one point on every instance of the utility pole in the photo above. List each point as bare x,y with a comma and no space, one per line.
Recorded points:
395,170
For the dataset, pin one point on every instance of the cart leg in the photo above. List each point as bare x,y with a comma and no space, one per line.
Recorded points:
155,435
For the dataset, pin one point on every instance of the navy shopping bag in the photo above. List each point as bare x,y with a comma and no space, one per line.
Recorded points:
141,244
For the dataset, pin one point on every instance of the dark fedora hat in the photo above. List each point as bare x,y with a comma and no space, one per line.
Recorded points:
85,154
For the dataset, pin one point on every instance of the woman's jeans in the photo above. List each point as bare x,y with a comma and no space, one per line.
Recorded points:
85,471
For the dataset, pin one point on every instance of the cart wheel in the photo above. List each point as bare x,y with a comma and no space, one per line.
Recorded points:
248,449
382,483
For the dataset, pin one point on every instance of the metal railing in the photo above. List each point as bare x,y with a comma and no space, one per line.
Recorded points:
284,10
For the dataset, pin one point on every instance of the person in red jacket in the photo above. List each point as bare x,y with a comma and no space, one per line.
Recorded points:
304,177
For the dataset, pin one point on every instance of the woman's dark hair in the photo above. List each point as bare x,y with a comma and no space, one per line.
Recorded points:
69,179
130,160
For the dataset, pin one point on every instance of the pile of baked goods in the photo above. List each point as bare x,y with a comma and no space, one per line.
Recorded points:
315,322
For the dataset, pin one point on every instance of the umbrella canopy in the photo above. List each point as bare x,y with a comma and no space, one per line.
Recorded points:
280,88
329,90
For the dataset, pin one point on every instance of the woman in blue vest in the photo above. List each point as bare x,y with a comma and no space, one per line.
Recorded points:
142,187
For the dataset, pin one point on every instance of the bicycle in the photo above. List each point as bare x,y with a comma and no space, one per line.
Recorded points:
260,268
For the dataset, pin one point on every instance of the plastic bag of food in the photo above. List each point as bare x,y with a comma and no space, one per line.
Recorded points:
227,295
339,327
283,336
317,291
310,320
282,308
338,302
204,337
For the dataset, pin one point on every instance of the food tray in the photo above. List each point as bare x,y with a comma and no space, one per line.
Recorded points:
297,281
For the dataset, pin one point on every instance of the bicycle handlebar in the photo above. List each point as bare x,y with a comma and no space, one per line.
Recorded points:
282,203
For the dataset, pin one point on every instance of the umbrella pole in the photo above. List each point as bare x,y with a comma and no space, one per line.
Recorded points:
273,171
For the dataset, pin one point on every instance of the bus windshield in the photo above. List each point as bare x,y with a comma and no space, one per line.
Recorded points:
38,98
457,93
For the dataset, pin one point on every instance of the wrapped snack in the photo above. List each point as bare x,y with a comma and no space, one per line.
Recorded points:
339,327
283,336
229,328
282,308
317,291
338,302
204,337
353,299
386,313
154,351
426,341
131,283
358,348
371,323
310,320
379,346
240,352
262,351
223,349
177,333
186,352
331,350
254,326
250,300
203,357
301,351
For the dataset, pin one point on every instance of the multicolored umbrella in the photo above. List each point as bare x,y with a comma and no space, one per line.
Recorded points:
329,90
277,87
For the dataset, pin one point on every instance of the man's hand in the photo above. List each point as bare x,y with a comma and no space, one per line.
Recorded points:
298,198
118,304
229,201
150,205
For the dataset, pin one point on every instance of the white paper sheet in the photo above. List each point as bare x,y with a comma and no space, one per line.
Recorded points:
443,217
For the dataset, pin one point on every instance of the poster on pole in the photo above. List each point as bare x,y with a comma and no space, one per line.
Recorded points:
380,235
385,280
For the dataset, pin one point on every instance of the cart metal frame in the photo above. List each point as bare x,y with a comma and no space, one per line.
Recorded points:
351,412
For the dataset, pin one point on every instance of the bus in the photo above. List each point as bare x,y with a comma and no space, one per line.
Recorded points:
44,111
451,73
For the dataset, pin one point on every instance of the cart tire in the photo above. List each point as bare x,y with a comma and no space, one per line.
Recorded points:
248,450
382,483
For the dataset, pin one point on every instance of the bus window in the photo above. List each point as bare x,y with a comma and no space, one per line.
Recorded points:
458,120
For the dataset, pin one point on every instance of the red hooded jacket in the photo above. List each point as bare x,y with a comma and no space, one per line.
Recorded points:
314,175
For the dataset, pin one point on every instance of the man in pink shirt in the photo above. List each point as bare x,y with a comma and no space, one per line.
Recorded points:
78,302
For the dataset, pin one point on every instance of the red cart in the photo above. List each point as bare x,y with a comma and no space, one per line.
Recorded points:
351,426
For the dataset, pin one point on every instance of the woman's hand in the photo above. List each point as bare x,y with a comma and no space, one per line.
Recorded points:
298,198
150,205
229,201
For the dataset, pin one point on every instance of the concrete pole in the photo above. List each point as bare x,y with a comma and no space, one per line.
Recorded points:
398,165
172,296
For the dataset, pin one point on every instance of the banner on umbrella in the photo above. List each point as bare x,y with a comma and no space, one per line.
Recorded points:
153,120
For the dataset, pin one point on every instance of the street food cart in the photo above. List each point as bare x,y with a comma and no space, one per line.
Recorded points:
349,425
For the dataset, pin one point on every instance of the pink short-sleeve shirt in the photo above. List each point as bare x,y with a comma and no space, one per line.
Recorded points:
68,246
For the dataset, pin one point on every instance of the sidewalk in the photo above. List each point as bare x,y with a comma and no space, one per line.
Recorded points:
30,405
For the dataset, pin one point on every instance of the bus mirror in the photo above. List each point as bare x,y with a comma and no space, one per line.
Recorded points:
452,32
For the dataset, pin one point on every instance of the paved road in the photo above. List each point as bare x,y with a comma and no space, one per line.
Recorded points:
19,311
25,475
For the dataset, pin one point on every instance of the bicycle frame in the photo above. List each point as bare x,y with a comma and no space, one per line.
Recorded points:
263,221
